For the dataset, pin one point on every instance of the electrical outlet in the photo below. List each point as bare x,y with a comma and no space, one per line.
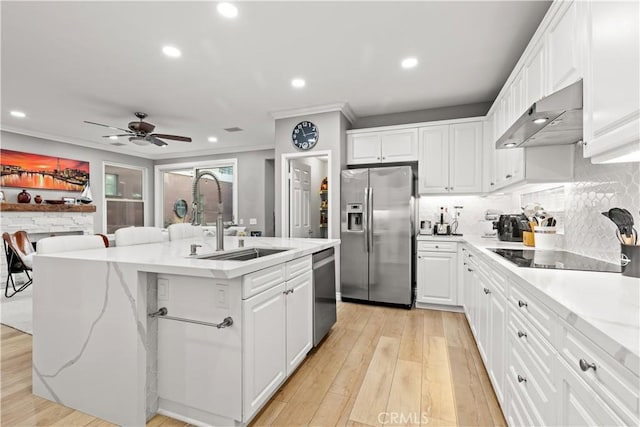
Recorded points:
253,221
163,289
221,296
241,221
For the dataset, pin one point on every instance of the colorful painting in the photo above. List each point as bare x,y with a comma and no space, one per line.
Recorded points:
28,170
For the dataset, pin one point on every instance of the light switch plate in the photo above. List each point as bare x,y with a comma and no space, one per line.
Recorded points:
253,221
163,289
221,296
241,221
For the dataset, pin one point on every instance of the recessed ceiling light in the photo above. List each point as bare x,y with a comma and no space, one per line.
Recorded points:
298,83
18,114
510,144
227,10
171,51
409,62
113,137
540,120
212,139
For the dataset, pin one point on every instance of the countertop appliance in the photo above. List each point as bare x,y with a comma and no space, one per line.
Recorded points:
511,226
558,260
324,293
554,120
376,232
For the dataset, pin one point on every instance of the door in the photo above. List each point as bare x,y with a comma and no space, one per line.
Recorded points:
299,320
434,159
436,277
390,234
400,145
354,257
264,327
299,199
363,148
465,154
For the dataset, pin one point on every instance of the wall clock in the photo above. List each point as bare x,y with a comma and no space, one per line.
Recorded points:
305,135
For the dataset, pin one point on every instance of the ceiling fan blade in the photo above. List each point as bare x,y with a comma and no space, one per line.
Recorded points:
172,137
152,139
124,134
107,126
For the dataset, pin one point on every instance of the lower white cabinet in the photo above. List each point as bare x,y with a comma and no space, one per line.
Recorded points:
264,348
437,277
298,301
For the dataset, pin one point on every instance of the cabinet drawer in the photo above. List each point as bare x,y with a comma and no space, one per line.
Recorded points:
534,311
297,267
438,246
261,280
538,350
612,382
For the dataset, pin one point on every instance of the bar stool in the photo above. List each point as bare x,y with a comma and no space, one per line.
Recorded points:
19,252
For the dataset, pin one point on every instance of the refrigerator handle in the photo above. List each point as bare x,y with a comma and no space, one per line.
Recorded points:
370,219
365,219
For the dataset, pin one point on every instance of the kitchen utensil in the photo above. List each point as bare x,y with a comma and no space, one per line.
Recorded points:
530,209
622,218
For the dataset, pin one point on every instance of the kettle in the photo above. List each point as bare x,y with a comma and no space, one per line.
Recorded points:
511,226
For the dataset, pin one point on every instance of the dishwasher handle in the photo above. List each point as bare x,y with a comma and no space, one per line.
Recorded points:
324,262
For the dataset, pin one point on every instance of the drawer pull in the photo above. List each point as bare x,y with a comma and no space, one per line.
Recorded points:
522,304
522,334
487,291
469,269
521,379
437,247
585,366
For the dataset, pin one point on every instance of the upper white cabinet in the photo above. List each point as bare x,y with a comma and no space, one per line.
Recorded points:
450,158
564,42
382,146
611,80
534,71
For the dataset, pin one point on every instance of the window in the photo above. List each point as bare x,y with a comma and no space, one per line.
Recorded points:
124,196
174,182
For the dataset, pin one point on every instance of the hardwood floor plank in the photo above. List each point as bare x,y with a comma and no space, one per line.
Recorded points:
394,325
373,395
452,329
404,399
412,337
328,413
74,419
269,413
433,326
437,391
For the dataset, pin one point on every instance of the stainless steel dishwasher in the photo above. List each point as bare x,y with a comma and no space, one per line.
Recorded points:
324,293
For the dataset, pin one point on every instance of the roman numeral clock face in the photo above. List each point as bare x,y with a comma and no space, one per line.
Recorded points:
305,135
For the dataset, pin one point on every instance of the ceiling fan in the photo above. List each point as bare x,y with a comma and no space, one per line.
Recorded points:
140,133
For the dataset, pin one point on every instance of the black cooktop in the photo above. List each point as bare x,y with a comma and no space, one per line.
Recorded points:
558,260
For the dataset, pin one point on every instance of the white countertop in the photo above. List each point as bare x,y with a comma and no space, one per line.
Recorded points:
603,306
173,256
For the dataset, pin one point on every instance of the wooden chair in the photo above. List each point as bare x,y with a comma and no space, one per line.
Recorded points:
19,252
185,231
55,244
138,236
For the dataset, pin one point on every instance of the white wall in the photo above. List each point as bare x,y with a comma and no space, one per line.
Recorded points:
95,157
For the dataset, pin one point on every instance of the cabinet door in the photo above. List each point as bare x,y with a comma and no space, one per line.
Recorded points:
534,71
400,145
299,319
497,338
437,277
501,167
363,148
517,97
516,164
433,166
611,83
483,327
489,147
465,158
563,47
264,348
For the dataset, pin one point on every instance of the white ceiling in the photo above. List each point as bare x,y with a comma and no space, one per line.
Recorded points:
65,62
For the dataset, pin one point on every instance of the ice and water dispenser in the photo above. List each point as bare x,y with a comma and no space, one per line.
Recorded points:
354,217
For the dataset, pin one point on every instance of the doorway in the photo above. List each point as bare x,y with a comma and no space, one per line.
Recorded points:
305,205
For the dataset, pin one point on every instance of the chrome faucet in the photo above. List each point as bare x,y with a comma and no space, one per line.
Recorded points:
198,215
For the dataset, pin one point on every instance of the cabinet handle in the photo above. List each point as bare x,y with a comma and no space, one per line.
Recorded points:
288,291
509,176
469,269
450,188
446,188
522,304
522,334
437,247
470,255
383,157
487,291
492,183
521,379
378,158
585,366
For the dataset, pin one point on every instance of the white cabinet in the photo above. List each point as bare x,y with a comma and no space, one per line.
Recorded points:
451,158
564,43
535,76
497,334
299,294
611,82
382,147
436,277
263,348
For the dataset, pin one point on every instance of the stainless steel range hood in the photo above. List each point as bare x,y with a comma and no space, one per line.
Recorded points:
554,120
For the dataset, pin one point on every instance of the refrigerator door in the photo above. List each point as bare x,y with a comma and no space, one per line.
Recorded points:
353,247
391,191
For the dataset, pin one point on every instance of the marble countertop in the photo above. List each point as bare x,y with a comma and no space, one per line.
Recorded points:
603,306
173,256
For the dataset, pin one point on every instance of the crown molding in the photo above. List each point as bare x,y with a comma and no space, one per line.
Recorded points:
343,107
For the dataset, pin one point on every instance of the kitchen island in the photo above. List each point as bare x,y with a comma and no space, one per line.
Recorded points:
233,331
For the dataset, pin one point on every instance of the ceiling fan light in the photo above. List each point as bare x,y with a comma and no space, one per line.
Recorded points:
171,51
138,140
114,137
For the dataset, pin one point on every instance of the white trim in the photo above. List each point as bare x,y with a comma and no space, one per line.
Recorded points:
159,183
418,125
343,107
284,179
145,197
213,151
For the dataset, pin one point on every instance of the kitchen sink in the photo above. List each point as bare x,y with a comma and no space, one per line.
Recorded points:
242,254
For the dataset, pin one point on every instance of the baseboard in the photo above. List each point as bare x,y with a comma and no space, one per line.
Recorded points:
440,307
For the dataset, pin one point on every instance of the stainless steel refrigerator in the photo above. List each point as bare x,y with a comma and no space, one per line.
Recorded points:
376,232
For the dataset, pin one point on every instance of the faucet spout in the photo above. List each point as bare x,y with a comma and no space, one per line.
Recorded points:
197,215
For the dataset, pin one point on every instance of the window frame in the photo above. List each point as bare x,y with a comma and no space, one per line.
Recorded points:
145,197
204,164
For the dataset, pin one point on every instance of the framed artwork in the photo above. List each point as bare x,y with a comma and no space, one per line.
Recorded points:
28,170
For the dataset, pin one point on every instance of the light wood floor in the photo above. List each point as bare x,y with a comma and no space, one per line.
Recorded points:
378,366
